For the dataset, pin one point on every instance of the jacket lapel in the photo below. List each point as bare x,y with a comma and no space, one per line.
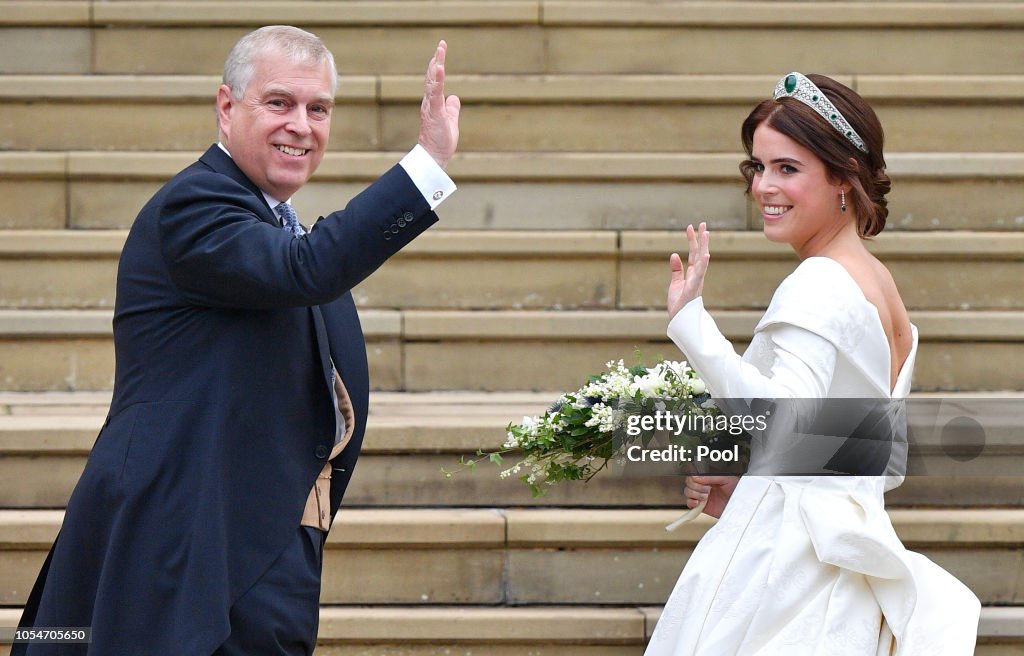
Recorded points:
221,162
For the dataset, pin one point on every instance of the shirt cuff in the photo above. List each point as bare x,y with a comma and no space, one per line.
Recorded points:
428,176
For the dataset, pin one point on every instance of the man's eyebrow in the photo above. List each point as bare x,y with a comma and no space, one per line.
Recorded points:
283,91
277,91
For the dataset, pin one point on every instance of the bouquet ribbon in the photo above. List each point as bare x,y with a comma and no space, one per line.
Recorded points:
688,516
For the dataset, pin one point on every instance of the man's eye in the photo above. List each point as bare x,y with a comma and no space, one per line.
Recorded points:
276,103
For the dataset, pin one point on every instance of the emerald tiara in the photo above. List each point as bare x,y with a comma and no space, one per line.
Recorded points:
796,85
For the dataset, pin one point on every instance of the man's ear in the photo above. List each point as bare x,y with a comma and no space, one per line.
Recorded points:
225,103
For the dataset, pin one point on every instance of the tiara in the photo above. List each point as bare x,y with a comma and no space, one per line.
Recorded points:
796,85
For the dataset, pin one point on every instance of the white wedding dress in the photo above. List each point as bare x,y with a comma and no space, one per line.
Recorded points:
808,565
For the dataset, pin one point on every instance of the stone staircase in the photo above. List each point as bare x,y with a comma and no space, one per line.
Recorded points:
593,131
420,565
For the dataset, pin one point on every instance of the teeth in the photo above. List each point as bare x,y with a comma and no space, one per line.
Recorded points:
775,209
288,150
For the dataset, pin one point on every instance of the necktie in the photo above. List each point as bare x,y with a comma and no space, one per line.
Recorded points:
289,220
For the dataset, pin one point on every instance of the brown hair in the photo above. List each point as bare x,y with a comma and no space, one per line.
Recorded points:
844,162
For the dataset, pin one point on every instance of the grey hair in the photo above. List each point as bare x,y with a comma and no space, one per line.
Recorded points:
299,45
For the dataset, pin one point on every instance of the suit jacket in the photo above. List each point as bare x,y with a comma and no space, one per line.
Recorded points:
224,330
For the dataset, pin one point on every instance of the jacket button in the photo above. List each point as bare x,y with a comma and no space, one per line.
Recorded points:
387,235
401,223
408,216
394,228
320,452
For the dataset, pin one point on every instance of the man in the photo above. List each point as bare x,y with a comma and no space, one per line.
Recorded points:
241,387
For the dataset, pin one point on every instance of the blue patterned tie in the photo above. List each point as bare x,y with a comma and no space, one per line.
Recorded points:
289,220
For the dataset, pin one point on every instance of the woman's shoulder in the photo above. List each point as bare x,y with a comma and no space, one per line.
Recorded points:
823,279
822,297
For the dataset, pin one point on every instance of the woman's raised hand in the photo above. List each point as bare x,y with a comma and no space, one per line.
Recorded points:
688,285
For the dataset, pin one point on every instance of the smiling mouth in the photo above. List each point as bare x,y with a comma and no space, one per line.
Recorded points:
775,211
288,150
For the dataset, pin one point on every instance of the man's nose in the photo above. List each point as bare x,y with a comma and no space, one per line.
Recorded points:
299,123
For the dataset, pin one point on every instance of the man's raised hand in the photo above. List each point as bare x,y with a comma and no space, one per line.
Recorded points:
439,116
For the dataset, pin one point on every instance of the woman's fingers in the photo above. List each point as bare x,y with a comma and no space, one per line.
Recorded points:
676,265
696,488
708,481
694,243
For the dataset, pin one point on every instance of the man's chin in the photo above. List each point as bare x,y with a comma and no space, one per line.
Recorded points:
286,186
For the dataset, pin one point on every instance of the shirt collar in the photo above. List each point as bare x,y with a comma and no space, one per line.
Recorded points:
271,201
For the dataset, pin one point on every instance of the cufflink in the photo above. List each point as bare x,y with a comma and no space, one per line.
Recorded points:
438,194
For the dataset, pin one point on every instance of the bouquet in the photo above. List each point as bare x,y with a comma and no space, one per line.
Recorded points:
584,430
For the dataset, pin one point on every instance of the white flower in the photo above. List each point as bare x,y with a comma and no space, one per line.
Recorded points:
697,386
650,385
598,412
603,417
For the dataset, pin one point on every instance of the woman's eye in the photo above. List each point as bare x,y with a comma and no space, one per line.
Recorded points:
757,167
787,169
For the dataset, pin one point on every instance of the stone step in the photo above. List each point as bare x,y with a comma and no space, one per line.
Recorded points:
554,270
532,630
45,439
81,347
565,36
422,350
515,191
542,556
604,113
1000,630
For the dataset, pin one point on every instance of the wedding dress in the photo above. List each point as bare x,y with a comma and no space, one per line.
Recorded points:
808,565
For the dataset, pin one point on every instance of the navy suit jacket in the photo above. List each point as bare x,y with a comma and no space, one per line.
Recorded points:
225,327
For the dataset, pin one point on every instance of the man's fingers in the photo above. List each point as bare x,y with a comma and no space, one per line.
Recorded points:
439,116
437,60
433,82
453,105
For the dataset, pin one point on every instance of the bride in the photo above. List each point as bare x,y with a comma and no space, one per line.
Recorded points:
801,564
